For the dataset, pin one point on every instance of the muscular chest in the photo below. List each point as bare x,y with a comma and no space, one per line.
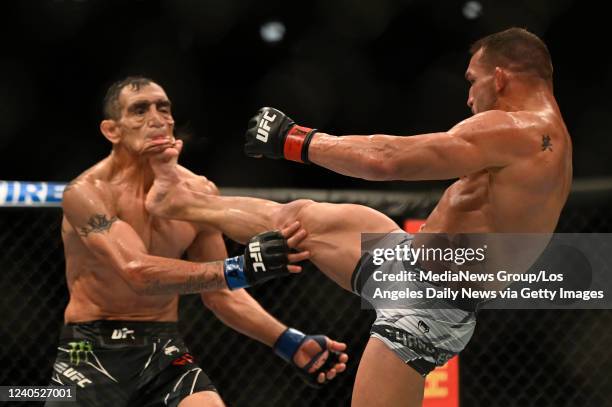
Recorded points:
162,237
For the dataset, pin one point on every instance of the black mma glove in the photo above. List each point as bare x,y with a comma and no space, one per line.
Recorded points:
265,257
273,134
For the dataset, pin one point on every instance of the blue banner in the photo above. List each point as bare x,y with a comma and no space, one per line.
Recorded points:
26,193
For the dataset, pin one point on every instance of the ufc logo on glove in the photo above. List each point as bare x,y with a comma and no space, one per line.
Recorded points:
255,250
263,128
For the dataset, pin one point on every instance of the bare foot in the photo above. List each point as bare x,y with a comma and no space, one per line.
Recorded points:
159,199
164,163
174,189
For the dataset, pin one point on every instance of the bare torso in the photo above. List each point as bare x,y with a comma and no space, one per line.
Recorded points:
99,292
525,197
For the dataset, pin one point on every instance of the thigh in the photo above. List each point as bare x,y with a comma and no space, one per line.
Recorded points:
202,399
384,380
334,233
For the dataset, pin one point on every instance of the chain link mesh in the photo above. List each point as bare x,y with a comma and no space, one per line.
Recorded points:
516,358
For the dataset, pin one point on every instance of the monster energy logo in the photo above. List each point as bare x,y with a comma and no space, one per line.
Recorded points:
77,349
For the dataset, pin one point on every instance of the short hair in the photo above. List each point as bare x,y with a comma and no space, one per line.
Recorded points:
111,107
516,49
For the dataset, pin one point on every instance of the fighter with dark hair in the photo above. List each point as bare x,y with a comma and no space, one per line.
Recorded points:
513,165
120,344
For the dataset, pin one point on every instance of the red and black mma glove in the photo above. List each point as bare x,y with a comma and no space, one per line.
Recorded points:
290,341
273,134
265,257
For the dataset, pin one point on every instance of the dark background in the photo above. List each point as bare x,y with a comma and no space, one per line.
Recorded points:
360,66
344,66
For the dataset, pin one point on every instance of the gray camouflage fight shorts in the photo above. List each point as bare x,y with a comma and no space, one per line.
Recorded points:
424,333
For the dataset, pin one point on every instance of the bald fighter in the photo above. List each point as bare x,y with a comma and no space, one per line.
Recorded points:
514,169
120,344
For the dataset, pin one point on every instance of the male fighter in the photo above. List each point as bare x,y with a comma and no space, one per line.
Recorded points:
120,345
513,161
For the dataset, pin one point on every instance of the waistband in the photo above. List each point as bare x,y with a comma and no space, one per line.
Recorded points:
365,265
119,331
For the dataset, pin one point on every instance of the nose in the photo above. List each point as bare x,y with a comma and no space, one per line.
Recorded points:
470,100
155,119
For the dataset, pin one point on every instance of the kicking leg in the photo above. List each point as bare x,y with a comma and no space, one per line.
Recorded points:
192,199
334,234
334,230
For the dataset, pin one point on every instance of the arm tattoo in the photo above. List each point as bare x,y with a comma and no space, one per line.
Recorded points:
98,223
208,280
546,144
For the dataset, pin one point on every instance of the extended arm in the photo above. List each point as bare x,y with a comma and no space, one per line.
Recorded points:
488,140
89,210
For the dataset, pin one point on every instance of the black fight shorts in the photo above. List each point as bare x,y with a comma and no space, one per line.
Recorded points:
121,363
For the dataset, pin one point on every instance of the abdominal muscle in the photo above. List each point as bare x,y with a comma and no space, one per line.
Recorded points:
99,292
102,294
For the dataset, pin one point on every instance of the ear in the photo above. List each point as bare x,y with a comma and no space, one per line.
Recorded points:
110,129
501,79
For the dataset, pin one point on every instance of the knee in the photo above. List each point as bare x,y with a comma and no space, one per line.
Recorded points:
299,205
292,211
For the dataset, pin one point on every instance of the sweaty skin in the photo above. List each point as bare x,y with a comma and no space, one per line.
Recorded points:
513,164
117,212
123,262
333,240
109,237
513,158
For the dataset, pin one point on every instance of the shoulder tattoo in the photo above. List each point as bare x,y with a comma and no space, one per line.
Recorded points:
98,223
546,144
